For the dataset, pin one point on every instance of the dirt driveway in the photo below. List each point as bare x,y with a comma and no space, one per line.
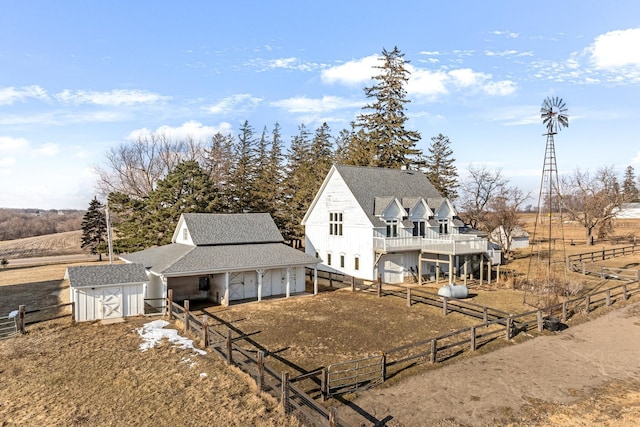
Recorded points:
585,375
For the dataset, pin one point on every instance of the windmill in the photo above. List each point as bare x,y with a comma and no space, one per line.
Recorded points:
540,273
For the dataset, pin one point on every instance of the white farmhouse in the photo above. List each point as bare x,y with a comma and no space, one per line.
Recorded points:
366,222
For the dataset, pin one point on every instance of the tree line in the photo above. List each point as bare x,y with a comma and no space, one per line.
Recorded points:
149,182
22,223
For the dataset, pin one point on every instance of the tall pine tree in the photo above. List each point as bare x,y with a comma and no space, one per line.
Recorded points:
217,163
440,168
298,182
243,175
381,130
629,187
94,228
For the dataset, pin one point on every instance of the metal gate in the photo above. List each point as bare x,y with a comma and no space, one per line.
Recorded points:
8,327
355,375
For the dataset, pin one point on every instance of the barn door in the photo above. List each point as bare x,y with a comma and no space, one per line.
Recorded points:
236,289
111,303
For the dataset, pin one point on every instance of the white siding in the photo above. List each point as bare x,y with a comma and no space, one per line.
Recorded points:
357,237
89,301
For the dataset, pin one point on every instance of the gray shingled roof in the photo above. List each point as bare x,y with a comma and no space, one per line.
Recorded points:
367,183
100,275
172,261
229,229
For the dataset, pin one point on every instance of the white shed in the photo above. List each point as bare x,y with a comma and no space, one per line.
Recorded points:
107,291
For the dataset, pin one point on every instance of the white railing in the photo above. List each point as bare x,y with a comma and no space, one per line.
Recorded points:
451,244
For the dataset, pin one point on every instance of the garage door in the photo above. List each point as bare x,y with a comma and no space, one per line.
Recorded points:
392,269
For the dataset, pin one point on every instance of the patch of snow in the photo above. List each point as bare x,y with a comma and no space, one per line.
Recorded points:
13,314
203,375
153,332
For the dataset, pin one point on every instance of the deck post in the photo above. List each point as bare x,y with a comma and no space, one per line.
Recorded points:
420,269
379,285
438,270
465,270
226,289
288,282
481,270
408,296
451,272
315,280
260,273
205,331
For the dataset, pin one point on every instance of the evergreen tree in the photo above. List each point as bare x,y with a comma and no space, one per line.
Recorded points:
243,176
218,163
94,228
298,182
439,167
322,151
381,130
629,188
273,177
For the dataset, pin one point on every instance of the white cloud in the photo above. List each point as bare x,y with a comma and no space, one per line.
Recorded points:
309,105
189,130
234,104
12,145
9,95
6,165
46,150
427,83
116,97
290,63
465,77
501,88
432,84
507,34
352,72
616,49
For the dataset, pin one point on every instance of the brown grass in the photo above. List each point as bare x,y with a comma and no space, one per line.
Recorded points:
50,244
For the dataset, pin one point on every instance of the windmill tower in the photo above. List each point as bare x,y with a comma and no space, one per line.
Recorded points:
542,274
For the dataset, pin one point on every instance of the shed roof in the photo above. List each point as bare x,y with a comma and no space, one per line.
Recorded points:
230,229
101,275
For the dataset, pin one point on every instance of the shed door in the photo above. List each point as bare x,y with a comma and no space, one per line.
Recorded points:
112,303
392,269
236,290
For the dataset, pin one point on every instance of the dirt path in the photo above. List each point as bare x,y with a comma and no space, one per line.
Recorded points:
492,389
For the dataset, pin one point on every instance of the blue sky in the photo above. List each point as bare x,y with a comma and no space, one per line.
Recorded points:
79,77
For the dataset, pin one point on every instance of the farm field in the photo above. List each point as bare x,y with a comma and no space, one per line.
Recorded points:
47,245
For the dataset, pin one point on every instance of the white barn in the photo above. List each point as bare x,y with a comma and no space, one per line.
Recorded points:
223,258
102,292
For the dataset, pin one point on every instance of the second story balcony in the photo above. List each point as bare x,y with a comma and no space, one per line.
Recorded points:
452,244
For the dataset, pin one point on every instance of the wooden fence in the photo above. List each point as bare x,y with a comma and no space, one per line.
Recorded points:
29,317
8,327
294,400
584,263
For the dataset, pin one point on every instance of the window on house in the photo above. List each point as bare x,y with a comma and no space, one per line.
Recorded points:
392,228
341,261
335,223
328,259
418,228
443,226
356,264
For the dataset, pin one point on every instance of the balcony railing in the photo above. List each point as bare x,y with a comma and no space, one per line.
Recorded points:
451,244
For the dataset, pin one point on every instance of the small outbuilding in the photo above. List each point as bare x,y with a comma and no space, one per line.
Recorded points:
103,292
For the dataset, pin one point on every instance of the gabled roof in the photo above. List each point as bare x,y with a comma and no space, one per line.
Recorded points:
367,183
177,260
101,275
230,229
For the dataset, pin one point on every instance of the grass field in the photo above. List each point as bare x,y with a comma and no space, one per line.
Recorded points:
47,245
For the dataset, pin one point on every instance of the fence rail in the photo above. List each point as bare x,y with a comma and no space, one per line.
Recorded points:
8,327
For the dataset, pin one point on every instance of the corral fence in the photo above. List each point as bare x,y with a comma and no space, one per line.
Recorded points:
293,399
354,375
584,263
24,317
8,327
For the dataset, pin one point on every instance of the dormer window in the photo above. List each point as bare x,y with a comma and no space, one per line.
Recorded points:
392,228
335,223
443,226
419,228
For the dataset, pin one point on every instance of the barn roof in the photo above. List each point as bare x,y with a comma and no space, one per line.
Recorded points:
101,275
230,229
176,259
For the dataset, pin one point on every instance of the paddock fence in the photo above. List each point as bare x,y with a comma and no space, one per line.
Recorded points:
584,263
294,400
8,327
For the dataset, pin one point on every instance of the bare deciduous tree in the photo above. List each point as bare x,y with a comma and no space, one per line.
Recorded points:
476,194
592,199
133,168
504,215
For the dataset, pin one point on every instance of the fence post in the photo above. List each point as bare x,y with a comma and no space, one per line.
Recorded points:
434,349
186,315
584,269
445,310
473,338
324,384
485,316
205,331
260,379
353,284
540,324
408,296
21,310
624,292
333,418
564,311
73,311
638,275
285,392
229,348
587,302
379,285
169,302
509,324
384,367
608,295
330,280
